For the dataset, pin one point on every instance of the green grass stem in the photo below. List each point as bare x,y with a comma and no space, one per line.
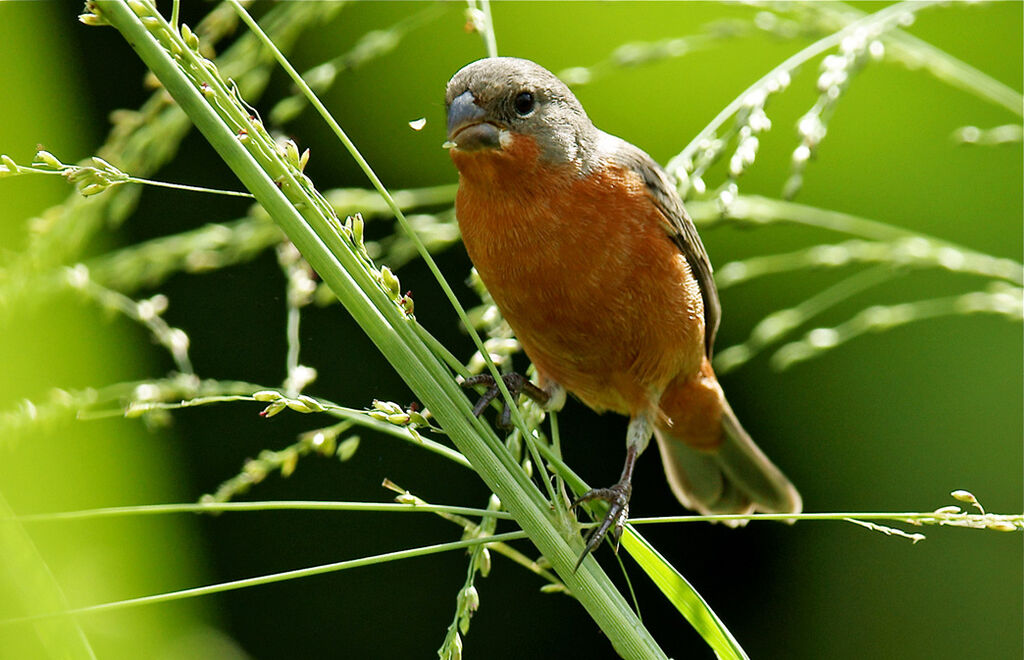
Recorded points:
268,579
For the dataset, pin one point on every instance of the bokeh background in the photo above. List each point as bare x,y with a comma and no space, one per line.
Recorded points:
888,422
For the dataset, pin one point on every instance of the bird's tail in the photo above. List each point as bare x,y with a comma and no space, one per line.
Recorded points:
733,476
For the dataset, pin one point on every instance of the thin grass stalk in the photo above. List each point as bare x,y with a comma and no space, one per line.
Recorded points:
24,569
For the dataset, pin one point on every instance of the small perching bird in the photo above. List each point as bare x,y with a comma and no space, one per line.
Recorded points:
584,244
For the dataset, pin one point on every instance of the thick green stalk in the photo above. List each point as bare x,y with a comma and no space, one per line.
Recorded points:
275,186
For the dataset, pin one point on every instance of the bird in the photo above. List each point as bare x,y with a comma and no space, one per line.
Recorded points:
584,244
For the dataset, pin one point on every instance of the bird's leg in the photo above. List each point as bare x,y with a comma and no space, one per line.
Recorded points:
516,384
637,437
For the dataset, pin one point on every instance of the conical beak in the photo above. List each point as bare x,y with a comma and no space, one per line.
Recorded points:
467,128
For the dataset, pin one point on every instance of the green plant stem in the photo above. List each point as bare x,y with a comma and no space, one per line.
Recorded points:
683,596
916,52
910,253
766,210
395,208
142,141
791,63
359,417
489,36
671,582
286,505
187,188
137,179
389,328
779,324
26,572
451,513
270,579
912,517
1005,302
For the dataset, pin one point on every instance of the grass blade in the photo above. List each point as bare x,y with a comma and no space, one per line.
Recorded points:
683,596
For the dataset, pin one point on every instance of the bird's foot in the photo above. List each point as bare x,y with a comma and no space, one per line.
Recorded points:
617,498
516,384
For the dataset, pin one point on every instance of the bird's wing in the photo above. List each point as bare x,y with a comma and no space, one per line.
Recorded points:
679,226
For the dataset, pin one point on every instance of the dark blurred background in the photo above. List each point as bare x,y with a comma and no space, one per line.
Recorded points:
888,422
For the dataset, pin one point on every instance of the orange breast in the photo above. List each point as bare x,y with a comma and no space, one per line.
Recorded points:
583,270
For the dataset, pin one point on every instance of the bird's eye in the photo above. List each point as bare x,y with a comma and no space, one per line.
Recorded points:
524,103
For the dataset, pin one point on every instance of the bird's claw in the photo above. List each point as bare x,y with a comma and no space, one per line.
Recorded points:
517,384
617,498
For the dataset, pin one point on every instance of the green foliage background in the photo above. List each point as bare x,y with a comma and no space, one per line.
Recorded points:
888,422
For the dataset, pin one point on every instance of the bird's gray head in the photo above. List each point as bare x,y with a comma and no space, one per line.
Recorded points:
492,101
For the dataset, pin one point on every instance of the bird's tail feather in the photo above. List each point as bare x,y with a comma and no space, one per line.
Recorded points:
735,477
